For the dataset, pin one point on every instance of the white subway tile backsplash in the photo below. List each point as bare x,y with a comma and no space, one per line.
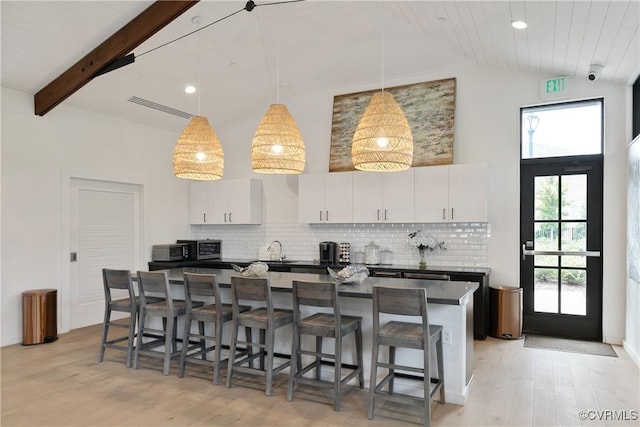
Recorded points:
466,243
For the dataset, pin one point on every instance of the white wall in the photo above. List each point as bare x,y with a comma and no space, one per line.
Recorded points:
36,150
38,156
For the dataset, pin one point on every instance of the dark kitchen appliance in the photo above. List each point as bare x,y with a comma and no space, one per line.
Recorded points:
328,253
204,249
170,252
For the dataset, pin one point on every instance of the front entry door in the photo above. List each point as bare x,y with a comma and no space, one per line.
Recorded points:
561,247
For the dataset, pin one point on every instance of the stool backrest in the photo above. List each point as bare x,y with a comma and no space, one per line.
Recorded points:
250,289
401,301
154,282
201,285
316,294
117,279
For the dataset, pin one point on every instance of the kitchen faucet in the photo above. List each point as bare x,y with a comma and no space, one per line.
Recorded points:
281,257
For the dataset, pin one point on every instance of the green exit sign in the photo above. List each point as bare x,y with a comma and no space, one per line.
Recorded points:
554,85
554,88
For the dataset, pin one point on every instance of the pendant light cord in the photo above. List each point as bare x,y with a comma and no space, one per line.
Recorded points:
382,59
199,89
278,65
250,5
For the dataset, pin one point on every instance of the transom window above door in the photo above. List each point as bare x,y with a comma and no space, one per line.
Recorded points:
560,130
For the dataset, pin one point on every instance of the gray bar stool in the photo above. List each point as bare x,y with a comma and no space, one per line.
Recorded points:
322,325
118,280
267,319
198,287
421,336
157,282
114,281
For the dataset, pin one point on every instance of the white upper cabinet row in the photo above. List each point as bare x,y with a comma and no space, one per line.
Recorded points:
454,193
451,193
233,201
325,198
383,197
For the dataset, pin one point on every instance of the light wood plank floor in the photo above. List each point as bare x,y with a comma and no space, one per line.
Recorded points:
62,384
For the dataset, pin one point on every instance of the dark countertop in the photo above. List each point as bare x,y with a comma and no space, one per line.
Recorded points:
276,265
438,291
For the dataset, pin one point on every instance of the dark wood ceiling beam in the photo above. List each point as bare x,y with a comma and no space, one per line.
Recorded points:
123,41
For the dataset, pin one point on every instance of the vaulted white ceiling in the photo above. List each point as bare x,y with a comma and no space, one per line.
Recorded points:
324,45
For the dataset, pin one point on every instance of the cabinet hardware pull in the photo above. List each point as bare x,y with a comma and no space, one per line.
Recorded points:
326,215
320,215
378,214
451,213
444,213
204,216
230,217
225,217
385,214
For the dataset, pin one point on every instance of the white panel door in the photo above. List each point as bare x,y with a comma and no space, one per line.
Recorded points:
105,230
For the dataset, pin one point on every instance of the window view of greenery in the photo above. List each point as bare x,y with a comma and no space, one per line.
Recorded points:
560,215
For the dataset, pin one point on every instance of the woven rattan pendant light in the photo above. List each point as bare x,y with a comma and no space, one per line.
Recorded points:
277,146
383,141
198,154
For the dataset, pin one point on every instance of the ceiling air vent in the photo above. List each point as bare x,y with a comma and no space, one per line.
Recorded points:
159,107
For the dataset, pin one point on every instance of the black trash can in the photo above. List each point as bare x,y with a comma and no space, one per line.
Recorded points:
506,312
39,316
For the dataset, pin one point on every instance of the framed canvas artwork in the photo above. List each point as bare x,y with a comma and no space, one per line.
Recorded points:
429,107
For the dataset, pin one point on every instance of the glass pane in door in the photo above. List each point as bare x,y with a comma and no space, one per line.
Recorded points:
547,198
574,197
573,292
573,238
546,239
545,290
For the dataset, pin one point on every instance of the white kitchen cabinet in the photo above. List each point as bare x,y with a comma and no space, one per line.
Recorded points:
453,193
233,201
325,198
199,202
383,197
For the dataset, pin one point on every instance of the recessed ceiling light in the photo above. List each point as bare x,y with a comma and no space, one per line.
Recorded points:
190,89
519,25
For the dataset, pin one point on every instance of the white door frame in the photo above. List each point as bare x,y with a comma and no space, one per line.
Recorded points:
64,295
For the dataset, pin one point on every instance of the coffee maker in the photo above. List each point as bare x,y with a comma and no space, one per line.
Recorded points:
328,253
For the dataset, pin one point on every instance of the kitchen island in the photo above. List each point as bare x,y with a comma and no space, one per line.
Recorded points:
479,275
450,304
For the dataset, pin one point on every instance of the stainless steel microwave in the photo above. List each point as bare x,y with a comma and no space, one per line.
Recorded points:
170,252
204,249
